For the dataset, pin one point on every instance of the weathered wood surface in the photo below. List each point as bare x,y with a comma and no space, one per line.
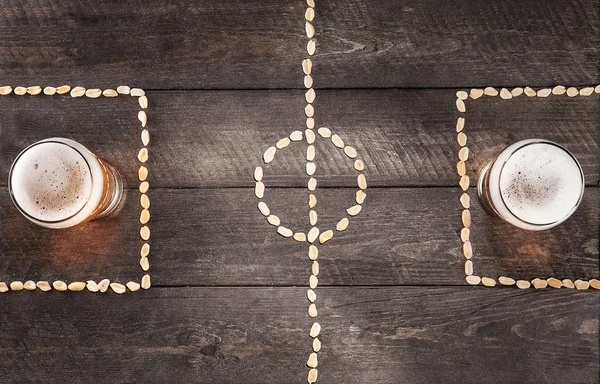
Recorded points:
216,138
259,335
107,248
231,326
208,237
258,44
108,126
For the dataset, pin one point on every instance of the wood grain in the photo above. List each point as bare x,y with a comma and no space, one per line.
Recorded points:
107,248
237,44
399,238
216,138
242,322
107,126
258,335
209,237
406,138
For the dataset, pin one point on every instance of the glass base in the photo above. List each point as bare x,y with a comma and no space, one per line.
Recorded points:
115,184
483,189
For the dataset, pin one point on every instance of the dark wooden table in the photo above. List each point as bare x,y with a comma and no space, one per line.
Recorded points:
228,305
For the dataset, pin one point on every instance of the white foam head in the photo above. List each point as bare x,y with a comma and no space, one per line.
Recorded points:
51,181
539,183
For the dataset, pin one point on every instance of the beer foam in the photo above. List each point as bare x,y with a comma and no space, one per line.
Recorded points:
541,183
51,181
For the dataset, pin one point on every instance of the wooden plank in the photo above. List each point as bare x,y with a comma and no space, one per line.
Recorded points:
204,44
107,248
107,126
216,138
257,335
402,236
492,124
406,138
218,237
569,250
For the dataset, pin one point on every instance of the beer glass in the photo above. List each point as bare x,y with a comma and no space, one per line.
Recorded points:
533,184
59,183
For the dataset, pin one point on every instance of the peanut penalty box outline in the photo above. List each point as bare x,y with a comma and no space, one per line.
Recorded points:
464,183
99,285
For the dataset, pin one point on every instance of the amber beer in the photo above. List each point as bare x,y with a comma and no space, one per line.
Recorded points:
533,184
59,183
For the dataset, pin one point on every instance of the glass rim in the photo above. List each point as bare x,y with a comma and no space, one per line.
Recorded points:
533,142
10,187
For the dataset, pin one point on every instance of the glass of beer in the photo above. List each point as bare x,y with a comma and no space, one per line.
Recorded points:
533,184
59,183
